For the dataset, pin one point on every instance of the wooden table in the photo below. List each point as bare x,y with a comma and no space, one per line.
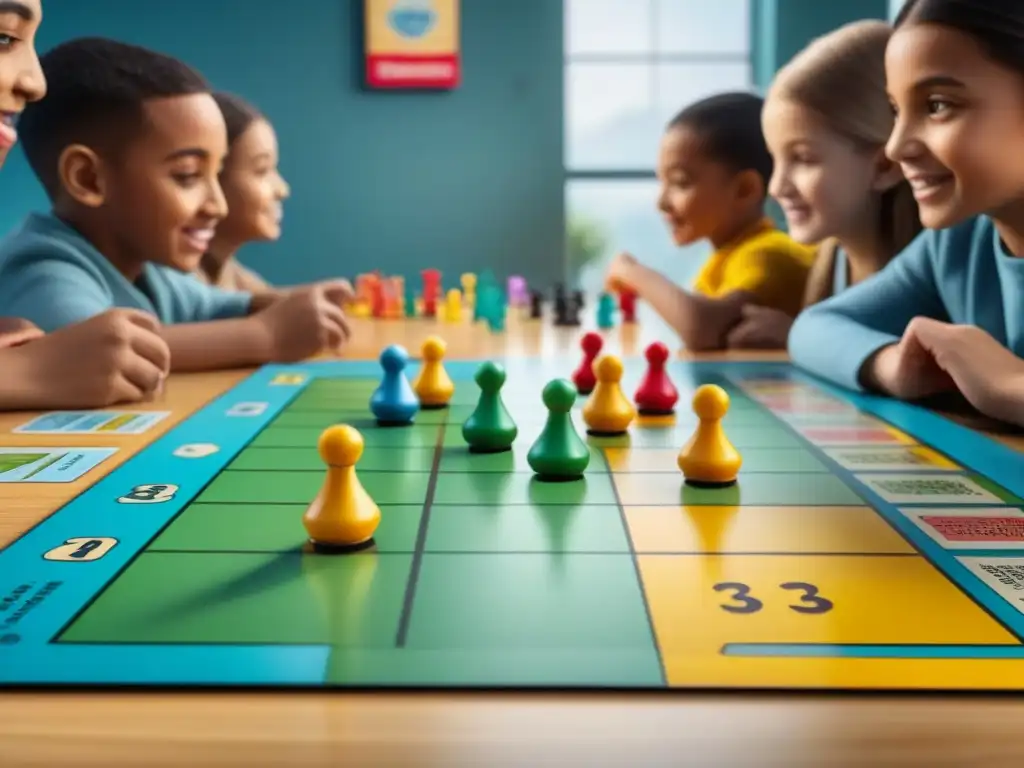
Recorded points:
326,728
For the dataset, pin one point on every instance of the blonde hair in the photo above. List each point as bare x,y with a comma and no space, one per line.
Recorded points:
841,78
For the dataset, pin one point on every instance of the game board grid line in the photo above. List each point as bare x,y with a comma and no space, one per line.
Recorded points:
502,552
405,618
892,516
225,460
639,576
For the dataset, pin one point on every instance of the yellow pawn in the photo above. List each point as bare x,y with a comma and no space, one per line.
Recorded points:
432,385
453,306
342,515
608,411
708,458
468,281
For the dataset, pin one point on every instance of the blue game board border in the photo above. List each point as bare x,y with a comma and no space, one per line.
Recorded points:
35,660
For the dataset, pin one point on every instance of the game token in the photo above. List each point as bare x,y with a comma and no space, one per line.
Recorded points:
608,411
708,458
583,377
490,428
342,516
605,311
393,402
433,385
656,395
559,453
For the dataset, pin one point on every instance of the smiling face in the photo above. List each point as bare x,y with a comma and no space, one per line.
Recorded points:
700,199
159,198
959,125
827,184
253,187
21,77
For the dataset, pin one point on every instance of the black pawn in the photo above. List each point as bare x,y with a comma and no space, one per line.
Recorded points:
536,305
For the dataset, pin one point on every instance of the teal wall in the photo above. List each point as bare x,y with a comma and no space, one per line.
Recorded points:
781,28
398,182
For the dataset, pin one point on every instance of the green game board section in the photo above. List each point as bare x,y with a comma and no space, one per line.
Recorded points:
479,575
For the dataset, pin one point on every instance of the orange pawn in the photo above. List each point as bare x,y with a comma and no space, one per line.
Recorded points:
433,385
342,516
608,410
708,458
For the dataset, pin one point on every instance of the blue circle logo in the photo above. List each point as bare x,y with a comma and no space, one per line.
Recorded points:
412,18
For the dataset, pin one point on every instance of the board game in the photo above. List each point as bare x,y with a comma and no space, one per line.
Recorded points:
867,544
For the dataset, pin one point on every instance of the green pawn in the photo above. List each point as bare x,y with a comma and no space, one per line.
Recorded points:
490,429
559,453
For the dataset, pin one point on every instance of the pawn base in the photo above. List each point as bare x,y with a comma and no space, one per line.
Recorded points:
596,433
711,483
558,478
433,406
656,411
487,449
394,423
326,548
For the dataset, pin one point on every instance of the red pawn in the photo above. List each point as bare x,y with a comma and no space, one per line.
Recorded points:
584,377
656,394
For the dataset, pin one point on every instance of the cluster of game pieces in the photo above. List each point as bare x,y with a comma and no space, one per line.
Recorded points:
392,296
343,517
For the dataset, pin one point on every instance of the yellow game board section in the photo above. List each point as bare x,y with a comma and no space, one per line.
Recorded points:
701,603
748,530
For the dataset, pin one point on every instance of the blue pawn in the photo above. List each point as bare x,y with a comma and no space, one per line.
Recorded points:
393,402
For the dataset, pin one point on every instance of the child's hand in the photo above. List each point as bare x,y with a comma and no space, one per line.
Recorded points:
306,322
115,357
760,328
908,370
15,331
619,272
986,373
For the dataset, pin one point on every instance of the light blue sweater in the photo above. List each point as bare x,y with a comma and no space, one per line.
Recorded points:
962,275
53,276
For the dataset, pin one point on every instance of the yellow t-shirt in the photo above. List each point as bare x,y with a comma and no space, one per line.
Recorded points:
767,263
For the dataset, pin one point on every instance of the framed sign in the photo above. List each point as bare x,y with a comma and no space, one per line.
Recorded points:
412,44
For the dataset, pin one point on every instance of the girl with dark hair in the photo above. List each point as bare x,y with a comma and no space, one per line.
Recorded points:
947,314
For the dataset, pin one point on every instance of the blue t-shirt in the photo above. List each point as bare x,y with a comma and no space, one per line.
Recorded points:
53,276
961,275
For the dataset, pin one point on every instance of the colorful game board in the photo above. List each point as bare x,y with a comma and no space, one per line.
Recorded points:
867,544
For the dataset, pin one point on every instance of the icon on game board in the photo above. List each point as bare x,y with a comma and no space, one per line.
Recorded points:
196,450
412,18
149,494
247,409
288,379
82,549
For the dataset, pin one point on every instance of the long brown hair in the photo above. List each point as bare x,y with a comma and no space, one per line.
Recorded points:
841,77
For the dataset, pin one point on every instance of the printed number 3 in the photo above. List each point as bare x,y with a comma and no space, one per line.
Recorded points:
812,602
149,494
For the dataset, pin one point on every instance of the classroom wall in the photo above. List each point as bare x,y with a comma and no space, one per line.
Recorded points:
399,182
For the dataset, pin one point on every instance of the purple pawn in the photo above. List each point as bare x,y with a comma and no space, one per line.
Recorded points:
518,295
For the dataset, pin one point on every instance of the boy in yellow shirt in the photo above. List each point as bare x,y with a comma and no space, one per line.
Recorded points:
714,168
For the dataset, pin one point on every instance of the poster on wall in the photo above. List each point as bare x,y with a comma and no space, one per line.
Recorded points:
412,44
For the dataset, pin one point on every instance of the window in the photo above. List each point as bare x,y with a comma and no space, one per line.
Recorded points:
630,65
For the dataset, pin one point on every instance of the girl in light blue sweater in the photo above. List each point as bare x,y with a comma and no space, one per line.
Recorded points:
947,314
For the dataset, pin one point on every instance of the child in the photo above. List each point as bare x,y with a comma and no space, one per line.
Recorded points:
940,316
714,169
254,191
826,120
117,356
128,144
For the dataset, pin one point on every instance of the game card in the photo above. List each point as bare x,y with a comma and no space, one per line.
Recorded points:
890,458
928,489
1005,575
974,528
49,465
93,422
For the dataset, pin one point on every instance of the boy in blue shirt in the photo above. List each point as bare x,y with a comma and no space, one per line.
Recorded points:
128,144
947,314
117,356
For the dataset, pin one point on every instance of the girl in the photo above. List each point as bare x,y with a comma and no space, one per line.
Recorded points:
826,121
254,190
941,315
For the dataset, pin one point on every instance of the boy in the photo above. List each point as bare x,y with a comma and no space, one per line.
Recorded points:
115,357
128,144
714,168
